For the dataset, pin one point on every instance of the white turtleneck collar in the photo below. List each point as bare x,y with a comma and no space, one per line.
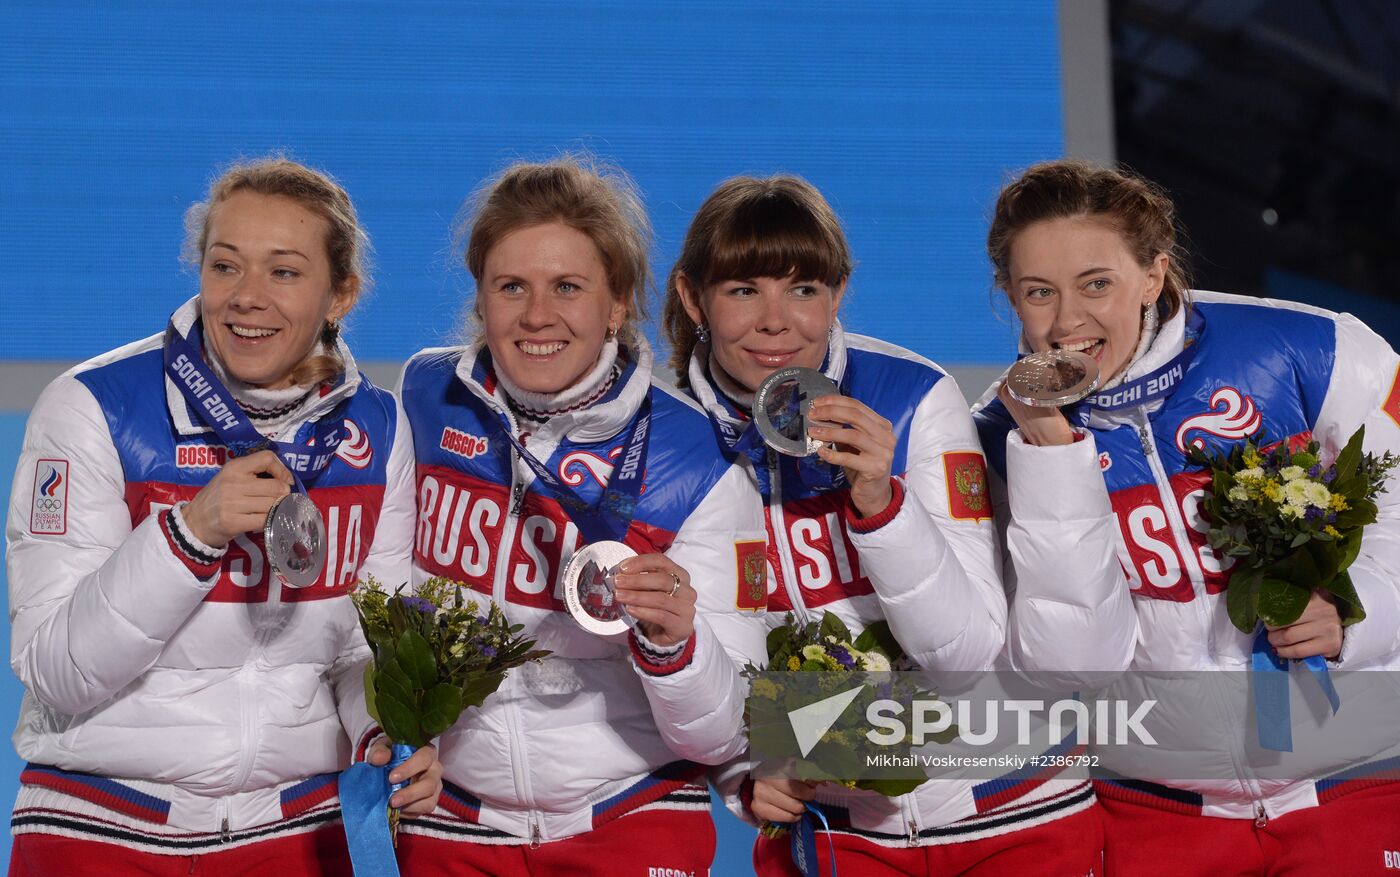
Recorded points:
269,410
732,389
533,409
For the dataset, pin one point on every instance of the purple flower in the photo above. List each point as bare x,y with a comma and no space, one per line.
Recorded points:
842,656
481,620
1330,475
1331,517
1315,471
488,651
424,606
1312,514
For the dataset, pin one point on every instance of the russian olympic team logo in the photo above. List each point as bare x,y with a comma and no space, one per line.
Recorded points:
355,449
49,516
578,465
1232,416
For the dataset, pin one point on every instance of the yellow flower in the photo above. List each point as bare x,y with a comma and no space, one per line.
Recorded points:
765,688
1252,458
794,664
1273,492
1331,531
1338,503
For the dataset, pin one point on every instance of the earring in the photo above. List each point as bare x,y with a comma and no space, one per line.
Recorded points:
612,332
702,334
1149,317
331,333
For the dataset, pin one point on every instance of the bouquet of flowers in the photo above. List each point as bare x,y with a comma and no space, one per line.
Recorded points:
435,655
1293,523
826,647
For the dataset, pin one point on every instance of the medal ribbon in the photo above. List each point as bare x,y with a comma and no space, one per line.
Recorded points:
364,808
804,843
213,404
1272,713
1157,383
610,518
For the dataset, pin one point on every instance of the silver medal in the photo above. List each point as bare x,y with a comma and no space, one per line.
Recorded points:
294,537
1053,378
780,409
588,588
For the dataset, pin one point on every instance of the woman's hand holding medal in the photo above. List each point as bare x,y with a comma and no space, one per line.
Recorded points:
656,592
238,498
1040,425
863,447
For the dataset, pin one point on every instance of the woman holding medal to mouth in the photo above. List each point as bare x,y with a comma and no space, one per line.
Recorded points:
191,691
590,503
1106,543
887,520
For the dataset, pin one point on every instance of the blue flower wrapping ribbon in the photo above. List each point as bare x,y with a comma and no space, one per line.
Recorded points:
364,810
804,843
1272,714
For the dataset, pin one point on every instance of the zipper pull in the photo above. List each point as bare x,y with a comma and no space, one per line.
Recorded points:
1146,441
517,499
224,834
534,835
913,833
1261,818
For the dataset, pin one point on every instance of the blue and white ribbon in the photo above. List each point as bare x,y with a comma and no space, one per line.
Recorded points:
1272,713
364,811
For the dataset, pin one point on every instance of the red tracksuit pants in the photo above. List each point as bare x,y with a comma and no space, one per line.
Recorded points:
319,853
1067,847
647,843
1355,835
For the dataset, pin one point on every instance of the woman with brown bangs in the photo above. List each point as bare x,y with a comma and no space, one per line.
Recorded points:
889,520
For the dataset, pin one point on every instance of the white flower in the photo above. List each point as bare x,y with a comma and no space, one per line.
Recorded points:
1252,474
1292,473
1317,495
813,653
1238,494
1290,511
876,662
1295,493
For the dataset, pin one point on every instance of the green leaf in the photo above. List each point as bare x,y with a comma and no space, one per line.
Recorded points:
1361,513
878,637
1281,602
369,694
1348,602
1299,540
390,680
1349,460
416,658
400,721
1242,600
442,705
835,627
480,688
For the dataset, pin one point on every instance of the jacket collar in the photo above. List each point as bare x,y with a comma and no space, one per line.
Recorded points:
188,423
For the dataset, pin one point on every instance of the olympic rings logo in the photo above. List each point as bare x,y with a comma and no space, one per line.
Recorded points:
48,505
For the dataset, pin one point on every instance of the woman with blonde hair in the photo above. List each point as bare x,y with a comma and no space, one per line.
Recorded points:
543,437
192,692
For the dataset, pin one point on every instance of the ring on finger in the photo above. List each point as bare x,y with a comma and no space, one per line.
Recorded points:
675,584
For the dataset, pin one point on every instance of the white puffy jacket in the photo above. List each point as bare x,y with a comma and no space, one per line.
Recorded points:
203,700
1111,571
